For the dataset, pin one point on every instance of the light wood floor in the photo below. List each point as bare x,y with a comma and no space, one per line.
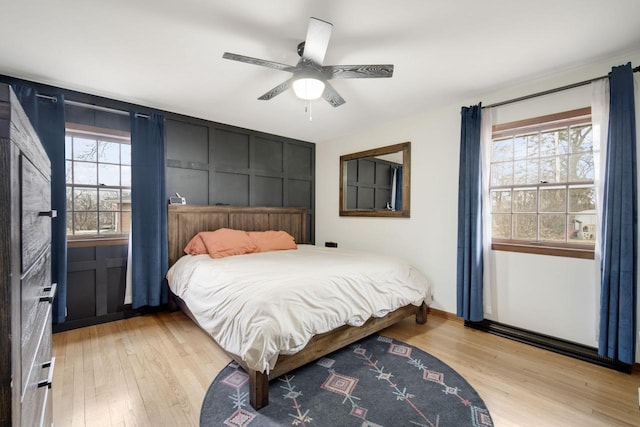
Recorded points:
154,370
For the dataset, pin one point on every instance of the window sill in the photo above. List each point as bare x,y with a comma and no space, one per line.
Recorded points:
97,241
545,249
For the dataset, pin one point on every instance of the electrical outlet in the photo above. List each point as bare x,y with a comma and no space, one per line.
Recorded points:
639,396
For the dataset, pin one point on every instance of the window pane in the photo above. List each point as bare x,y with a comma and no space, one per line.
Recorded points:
582,228
581,139
552,145
108,152
501,226
70,224
126,200
502,150
548,144
552,227
125,154
69,199
109,175
67,147
519,147
68,172
85,199
126,222
525,227
525,200
84,149
125,177
501,201
85,223
525,172
553,169
533,146
553,199
581,167
109,200
563,138
582,200
520,172
109,222
85,173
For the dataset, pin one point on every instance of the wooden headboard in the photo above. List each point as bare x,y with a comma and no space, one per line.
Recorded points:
185,221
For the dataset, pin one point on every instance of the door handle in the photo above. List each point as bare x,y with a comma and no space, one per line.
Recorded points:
52,213
51,293
51,365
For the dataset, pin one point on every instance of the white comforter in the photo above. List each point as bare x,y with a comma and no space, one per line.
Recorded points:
258,306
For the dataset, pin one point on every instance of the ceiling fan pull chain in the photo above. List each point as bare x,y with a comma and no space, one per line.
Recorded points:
310,118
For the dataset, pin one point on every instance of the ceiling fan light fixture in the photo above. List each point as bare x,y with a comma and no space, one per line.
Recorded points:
308,88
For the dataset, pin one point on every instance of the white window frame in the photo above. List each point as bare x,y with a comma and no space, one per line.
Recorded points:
100,134
537,246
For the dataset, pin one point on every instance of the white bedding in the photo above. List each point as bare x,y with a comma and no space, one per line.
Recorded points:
258,306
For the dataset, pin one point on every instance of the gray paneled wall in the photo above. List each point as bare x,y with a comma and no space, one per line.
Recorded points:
95,281
371,188
209,163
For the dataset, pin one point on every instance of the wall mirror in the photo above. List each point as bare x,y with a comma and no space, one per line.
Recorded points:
376,182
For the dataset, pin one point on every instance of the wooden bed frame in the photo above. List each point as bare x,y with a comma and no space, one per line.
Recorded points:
185,221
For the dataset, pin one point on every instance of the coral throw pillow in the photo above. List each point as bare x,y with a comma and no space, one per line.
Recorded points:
195,246
272,240
227,242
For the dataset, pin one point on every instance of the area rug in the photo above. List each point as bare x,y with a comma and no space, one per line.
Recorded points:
375,382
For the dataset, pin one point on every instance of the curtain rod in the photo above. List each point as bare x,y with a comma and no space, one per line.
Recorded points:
91,106
50,98
96,107
550,91
105,109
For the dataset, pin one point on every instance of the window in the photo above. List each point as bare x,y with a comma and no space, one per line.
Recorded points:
98,172
542,189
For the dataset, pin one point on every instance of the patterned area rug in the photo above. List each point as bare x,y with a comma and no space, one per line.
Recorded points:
374,382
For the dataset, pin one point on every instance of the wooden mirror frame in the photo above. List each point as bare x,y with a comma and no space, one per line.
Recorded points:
405,148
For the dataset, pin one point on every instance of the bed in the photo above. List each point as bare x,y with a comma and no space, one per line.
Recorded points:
292,349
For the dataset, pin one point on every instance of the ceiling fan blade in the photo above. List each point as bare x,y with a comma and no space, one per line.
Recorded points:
276,90
357,71
332,96
317,41
261,62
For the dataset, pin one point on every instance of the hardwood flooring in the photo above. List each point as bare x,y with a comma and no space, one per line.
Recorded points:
154,371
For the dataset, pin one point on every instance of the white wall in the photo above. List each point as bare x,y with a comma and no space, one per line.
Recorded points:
552,295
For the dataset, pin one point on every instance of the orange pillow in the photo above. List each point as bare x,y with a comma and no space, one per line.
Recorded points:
272,240
195,246
227,242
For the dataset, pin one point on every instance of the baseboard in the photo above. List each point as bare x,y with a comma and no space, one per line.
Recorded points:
444,314
556,345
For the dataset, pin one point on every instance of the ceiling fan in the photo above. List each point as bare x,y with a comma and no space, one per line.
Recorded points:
310,77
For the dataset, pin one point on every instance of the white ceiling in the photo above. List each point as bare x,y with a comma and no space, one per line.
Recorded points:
167,54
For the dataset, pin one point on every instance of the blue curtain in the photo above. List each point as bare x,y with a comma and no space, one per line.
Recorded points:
470,266
148,211
397,203
618,298
47,117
